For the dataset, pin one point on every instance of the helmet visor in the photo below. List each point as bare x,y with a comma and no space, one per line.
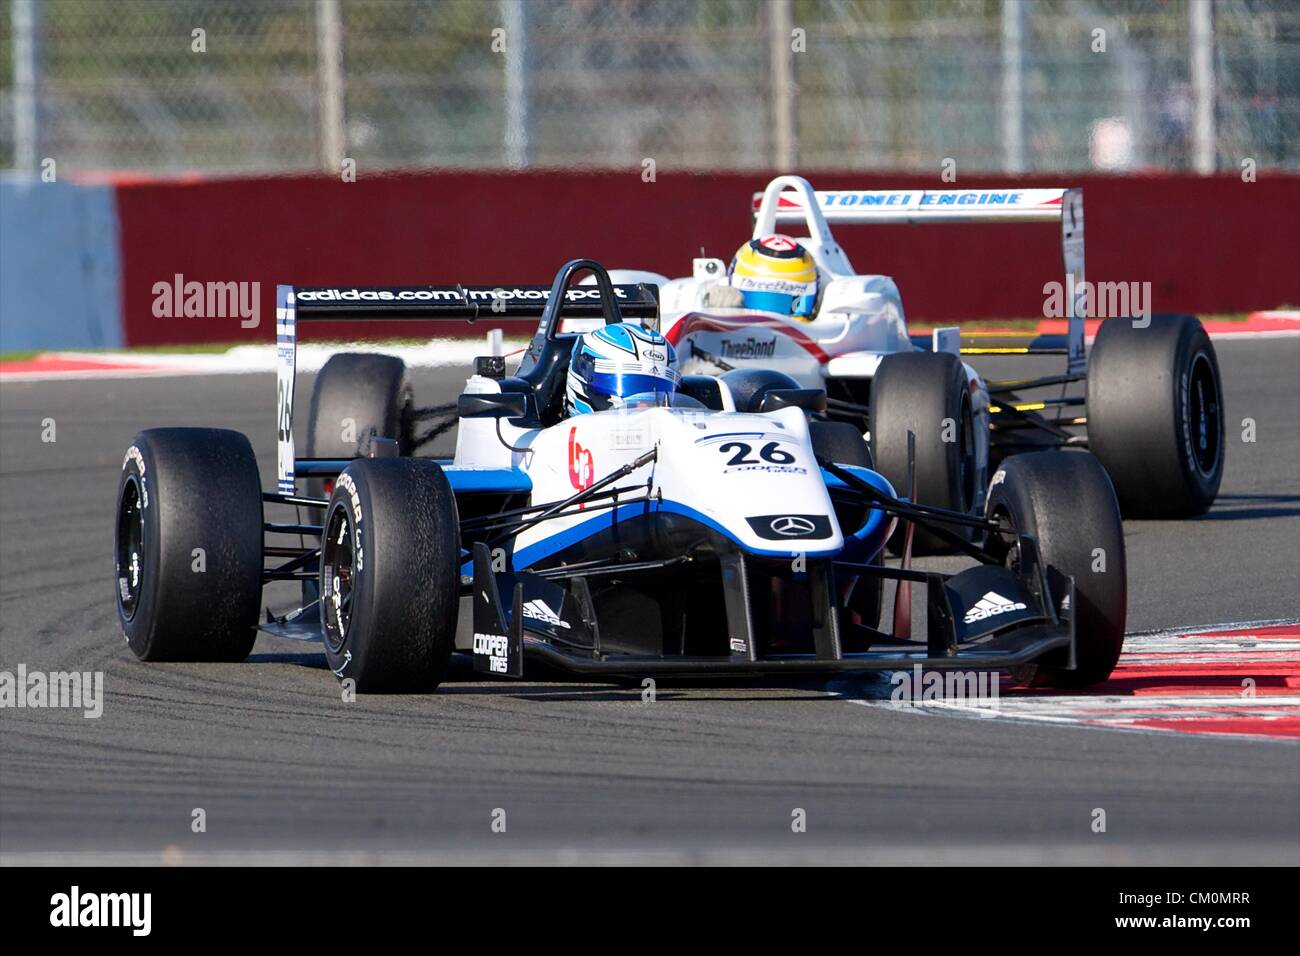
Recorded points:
779,302
623,385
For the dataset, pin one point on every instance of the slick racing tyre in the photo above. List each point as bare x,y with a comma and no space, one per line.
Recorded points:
1066,501
358,396
925,393
841,443
390,575
1155,415
749,386
188,545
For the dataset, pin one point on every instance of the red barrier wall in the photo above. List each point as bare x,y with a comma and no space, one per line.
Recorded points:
1207,244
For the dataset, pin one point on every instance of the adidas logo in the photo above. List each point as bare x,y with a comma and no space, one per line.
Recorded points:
989,605
539,611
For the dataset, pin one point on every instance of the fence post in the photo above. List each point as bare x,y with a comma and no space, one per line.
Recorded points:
329,58
1200,24
780,26
514,14
27,82
1013,87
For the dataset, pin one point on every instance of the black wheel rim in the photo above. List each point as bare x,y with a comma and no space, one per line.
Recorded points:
1203,416
338,576
130,548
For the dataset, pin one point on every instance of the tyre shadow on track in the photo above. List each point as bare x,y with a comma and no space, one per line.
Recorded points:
1217,513
314,661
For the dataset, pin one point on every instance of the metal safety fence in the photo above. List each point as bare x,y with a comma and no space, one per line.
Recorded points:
276,85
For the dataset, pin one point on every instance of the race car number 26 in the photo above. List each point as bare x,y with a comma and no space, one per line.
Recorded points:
285,415
740,452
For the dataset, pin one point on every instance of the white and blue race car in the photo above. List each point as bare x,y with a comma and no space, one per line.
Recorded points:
729,528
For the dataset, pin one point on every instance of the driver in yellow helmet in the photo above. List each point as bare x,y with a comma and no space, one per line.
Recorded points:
770,274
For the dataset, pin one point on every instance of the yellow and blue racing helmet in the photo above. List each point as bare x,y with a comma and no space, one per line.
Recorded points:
776,274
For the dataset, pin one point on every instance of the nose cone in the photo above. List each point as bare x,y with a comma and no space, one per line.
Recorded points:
754,477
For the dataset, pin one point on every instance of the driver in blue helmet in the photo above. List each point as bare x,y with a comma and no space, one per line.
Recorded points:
620,366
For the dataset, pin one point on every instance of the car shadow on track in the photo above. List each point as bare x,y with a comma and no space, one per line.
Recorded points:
553,685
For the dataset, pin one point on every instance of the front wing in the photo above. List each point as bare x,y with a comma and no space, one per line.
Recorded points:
551,620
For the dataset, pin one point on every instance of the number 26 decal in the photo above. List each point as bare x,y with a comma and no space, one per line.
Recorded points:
285,412
771,452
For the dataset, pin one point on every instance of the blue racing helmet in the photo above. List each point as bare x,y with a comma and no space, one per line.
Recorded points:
615,363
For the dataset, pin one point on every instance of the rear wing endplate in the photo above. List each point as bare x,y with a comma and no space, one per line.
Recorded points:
791,199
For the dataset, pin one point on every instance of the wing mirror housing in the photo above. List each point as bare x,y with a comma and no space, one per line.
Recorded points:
492,405
809,399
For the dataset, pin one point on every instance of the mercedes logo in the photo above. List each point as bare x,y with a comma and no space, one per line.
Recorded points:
792,526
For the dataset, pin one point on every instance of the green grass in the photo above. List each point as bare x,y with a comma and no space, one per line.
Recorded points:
1015,325
194,348
1030,325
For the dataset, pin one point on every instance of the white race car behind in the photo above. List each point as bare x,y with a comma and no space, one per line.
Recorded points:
1152,409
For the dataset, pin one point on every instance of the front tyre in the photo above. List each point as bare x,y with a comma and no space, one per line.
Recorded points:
390,575
188,545
1155,415
1065,500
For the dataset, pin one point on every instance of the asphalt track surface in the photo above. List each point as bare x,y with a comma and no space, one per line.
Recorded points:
285,770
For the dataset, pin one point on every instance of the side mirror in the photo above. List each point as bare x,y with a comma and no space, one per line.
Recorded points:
708,270
809,399
859,306
492,405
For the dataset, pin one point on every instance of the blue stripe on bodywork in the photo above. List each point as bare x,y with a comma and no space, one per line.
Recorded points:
571,536
876,480
488,480
865,543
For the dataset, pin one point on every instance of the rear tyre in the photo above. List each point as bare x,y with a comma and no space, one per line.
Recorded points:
390,575
843,444
925,393
1066,501
358,396
749,386
188,545
1155,415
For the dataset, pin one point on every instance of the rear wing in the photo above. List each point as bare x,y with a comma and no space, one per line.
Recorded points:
462,302
791,199
922,205
422,303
